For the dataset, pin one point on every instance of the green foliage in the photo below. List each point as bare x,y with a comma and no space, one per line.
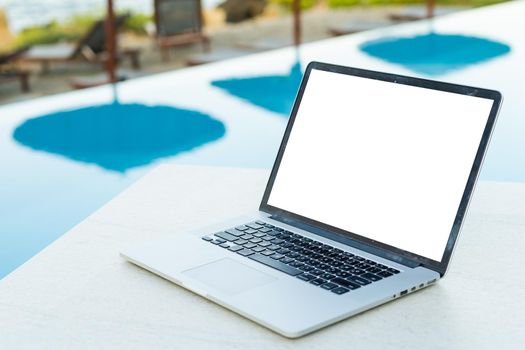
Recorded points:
45,34
136,23
305,4
73,29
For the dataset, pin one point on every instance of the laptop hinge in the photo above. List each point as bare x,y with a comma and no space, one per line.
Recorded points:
347,241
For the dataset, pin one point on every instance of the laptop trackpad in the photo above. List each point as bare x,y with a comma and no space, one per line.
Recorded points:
229,276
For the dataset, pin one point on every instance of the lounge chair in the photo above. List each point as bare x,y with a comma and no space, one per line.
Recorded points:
179,22
90,48
9,72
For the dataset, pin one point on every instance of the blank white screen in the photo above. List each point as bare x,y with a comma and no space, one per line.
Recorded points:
385,161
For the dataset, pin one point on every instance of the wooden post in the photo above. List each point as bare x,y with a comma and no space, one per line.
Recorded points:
431,4
111,43
296,8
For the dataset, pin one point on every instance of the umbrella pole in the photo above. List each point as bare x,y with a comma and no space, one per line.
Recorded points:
431,4
296,8
111,42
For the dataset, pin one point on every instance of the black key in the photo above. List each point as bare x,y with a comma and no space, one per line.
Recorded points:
371,277
272,233
287,260
278,229
276,264
332,270
370,262
234,232
337,263
314,263
241,228
327,276
345,283
293,255
343,274
224,245
254,226
250,245
235,248
296,264
268,238
256,240
348,254
384,274
207,239
269,225
245,252
277,241
240,241
373,270
277,256
302,258
287,245
250,231
346,267
339,290
358,280
329,286
356,272
317,272
283,251
306,268
358,258
226,236
306,277
317,281
392,270
265,244
259,249
381,266
362,266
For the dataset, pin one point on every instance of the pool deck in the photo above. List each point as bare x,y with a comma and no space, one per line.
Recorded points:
79,293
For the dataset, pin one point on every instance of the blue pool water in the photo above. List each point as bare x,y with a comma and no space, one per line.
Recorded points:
275,93
117,136
66,155
433,53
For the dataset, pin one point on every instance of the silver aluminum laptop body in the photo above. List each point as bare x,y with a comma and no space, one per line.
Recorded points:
276,299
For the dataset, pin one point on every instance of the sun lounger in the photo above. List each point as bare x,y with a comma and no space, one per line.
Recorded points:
91,48
179,22
10,72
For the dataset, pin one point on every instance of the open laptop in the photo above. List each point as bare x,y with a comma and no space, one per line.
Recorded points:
364,203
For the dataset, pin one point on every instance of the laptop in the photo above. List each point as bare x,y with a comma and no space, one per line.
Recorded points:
364,203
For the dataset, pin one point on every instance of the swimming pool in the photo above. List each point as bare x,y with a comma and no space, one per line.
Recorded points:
66,155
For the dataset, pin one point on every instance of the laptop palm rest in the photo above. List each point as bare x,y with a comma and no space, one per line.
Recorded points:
229,276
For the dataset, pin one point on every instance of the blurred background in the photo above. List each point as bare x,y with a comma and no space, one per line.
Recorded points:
150,25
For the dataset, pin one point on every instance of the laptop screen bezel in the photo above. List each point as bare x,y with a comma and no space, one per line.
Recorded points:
391,251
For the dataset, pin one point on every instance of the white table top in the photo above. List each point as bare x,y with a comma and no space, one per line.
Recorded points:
78,293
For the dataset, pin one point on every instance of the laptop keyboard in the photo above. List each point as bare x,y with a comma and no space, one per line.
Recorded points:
309,260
